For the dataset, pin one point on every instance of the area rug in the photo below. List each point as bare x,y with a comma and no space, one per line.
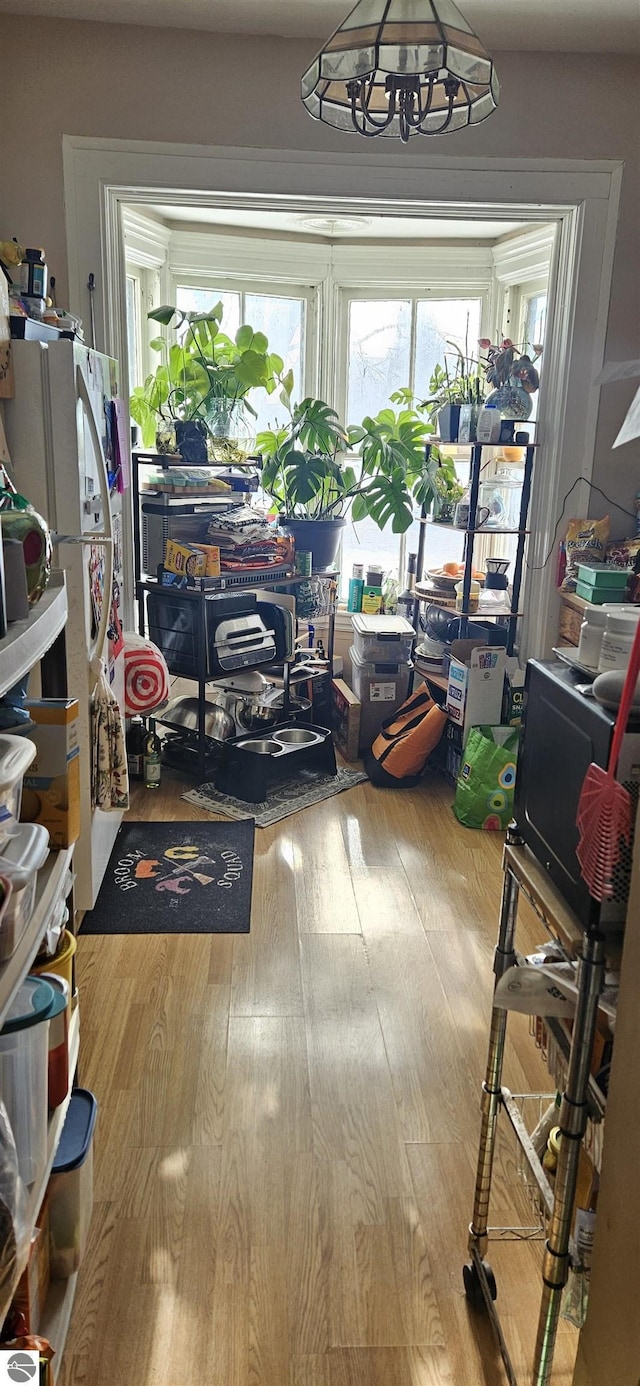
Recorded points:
176,878
287,797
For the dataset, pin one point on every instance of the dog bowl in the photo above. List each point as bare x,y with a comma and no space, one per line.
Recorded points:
261,746
296,736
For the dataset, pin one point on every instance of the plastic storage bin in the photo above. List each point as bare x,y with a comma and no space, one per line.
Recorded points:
386,638
24,1055
381,688
61,964
71,1186
20,861
16,755
58,1067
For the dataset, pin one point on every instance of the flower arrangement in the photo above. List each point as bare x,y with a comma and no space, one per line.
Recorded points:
513,375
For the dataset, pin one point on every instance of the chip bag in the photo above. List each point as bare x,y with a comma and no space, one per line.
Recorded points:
585,542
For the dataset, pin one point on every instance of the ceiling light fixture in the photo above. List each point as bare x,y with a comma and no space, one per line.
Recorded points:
402,68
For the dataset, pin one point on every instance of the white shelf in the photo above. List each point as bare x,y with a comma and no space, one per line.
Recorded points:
38,1189
56,1316
50,883
27,641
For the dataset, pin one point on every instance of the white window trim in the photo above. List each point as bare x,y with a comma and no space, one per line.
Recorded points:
581,196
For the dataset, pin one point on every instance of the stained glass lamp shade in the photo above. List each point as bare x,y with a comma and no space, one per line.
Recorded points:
402,68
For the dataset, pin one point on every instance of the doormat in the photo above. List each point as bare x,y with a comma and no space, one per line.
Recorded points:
176,878
287,796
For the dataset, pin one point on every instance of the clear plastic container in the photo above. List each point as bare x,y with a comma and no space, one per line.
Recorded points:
617,640
386,638
58,1068
71,1186
381,688
591,636
16,755
20,860
24,1059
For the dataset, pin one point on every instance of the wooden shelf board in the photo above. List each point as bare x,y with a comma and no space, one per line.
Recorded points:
546,900
27,641
480,615
49,886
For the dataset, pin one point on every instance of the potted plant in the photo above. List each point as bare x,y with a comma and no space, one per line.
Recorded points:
455,395
448,491
315,485
513,376
203,382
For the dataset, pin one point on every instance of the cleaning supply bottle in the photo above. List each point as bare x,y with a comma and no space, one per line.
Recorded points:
152,761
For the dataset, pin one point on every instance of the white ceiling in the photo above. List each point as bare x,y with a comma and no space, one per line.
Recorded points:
327,228
561,25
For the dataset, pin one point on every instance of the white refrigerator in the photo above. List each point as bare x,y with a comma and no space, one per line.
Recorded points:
61,430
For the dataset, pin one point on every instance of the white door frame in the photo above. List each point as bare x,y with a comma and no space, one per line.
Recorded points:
581,197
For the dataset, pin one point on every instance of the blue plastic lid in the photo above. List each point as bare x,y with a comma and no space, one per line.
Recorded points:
33,1002
77,1132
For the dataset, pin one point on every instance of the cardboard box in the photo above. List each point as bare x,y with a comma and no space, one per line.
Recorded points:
33,1285
372,600
51,793
475,688
212,555
185,559
345,719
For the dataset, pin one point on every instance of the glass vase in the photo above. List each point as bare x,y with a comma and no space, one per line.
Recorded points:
511,400
230,437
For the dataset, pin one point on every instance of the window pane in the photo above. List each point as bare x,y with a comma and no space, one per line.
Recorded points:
441,545
439,322
365,543
379,354
133,328
534,329
203,300
283,322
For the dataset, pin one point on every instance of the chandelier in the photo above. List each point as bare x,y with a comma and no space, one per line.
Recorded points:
402,68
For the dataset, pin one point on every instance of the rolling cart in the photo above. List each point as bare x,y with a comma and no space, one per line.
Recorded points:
581,1101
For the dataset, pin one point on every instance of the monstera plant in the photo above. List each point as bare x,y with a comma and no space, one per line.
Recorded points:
318,472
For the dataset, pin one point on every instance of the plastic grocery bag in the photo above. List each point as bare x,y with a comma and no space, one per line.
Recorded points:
484,792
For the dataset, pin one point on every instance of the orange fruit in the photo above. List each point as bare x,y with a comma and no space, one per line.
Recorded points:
451,568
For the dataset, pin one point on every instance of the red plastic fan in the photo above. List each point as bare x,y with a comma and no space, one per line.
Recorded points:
605,815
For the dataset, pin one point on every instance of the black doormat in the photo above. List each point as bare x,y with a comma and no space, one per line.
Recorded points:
176,878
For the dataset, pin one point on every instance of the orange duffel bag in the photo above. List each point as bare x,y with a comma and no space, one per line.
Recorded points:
400,751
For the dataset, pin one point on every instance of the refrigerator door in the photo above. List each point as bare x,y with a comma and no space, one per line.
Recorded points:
62,452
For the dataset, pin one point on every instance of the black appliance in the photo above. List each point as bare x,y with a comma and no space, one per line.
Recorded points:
563,732
209,634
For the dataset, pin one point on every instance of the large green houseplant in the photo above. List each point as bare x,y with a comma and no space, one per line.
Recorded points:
205,378
317,471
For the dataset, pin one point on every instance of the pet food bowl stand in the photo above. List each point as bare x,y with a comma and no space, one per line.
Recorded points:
581,1100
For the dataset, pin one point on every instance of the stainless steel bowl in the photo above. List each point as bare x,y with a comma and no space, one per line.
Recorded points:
219,724
261,746
297,736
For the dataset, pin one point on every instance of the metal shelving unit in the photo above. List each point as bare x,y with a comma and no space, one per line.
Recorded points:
582,1103
512,613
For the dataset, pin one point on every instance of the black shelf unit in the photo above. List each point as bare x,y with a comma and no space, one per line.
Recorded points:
207,589
512,613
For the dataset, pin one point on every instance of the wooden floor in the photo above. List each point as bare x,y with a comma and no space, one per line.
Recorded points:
288,1119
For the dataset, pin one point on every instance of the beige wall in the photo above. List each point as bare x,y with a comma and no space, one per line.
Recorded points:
187,87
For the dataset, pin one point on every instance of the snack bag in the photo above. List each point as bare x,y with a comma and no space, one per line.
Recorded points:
585,542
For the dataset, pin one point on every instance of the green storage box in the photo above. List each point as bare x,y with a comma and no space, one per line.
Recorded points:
599,595
602,575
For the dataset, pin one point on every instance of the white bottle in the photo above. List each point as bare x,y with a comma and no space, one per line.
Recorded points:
617,639
591,636
489,425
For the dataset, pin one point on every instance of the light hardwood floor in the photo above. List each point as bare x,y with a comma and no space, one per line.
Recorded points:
288,1119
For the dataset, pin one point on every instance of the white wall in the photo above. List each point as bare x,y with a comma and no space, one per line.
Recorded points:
180,86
